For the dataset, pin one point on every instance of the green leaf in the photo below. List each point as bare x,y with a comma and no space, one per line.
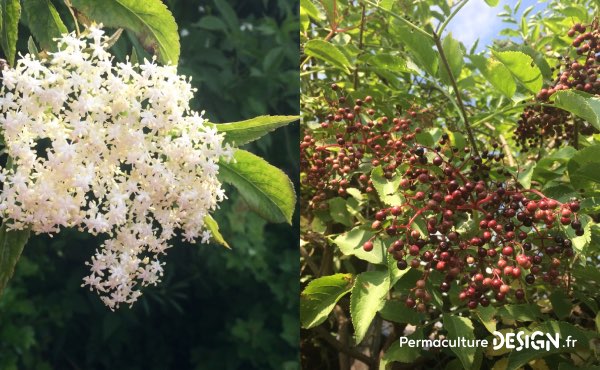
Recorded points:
311,10
44,22
519,312
243,132
582,105
388,62
267,190
583,168
387,189
351,244
589,274
496,73
561,305
134,57
339,211
405,354
420,46
228,14
320,296
367,297
486,316
11,13
211,23
579,13
213,227
33,50
396,311
386,4
537,57
454,55
149,20
12,243
526,174
327,52
457,139
461,327
492,3
522,67
586,300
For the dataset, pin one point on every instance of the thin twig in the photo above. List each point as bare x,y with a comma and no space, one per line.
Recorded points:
311,264
454,12
325,335
438,44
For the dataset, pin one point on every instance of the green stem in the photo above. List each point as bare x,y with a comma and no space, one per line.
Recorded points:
454,12
70,7
402,19
438,44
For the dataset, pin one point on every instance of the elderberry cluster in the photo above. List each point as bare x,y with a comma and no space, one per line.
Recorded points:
580,73
456,212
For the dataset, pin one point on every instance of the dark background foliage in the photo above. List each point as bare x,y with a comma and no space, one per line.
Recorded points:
215,309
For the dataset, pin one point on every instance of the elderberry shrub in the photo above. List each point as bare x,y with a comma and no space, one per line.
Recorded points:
578,72
460,214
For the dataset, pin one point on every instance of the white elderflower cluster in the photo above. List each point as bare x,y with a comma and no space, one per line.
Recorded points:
109,148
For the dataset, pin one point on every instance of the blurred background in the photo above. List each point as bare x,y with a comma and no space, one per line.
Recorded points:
215,308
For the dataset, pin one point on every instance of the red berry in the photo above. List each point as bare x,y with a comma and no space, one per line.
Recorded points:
496,283
523,261
414,250
380,216
516,272
532,206
476,241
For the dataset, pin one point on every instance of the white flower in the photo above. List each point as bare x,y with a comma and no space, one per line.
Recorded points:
109,148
